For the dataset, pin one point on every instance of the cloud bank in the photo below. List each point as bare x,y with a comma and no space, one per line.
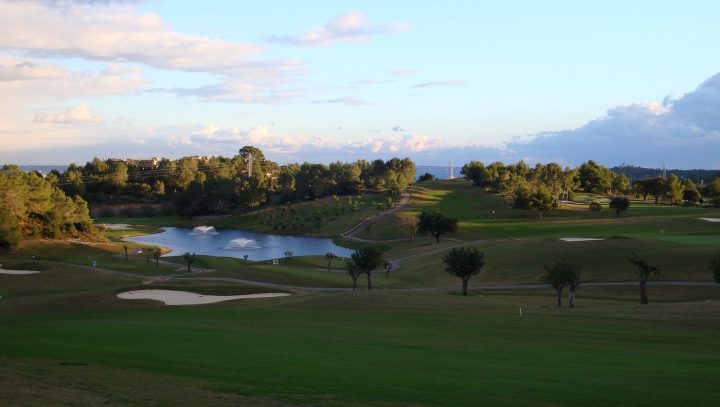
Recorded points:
683,133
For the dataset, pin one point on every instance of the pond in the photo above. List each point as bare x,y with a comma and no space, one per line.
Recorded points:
238,243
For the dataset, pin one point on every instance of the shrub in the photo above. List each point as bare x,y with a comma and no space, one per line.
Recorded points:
595,206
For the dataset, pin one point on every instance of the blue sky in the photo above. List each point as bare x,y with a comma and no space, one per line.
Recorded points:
560,80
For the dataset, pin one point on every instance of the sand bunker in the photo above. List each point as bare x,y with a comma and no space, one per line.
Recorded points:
171,297
711,219
580,239
116,226
3,271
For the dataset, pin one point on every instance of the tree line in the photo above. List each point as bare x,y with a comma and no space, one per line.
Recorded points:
32,207
545,186
219,185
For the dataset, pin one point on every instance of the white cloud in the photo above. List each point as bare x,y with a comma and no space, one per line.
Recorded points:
402,71
453,82
347,101
14,69
349,27
238,91
116,33
28,79
80,114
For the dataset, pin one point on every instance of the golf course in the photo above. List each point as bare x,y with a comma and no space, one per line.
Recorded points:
77,329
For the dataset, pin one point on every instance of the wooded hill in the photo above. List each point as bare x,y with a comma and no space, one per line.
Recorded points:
31,207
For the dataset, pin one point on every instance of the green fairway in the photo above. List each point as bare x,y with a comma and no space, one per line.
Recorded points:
388,348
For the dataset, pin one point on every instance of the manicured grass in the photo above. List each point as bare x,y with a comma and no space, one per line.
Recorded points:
398,348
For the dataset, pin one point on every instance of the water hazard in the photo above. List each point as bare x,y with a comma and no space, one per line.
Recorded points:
238,243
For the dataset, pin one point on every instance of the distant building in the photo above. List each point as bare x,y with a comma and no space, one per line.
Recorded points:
150,164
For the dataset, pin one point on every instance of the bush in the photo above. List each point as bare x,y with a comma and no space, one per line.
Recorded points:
168,208
148,211
595,206
426,177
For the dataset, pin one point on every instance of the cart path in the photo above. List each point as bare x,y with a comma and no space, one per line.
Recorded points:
191,276
350,234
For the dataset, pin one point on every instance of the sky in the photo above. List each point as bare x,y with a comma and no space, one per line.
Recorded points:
565,81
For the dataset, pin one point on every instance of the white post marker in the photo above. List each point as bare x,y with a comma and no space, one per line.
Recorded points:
521,311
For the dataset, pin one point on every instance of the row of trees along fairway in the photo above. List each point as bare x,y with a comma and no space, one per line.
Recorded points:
219,185
545,186
32,207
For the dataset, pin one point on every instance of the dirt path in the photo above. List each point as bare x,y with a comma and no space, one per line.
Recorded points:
350,234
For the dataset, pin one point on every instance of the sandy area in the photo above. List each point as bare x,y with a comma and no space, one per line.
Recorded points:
171,297
3,271
116,226
580,239
711,219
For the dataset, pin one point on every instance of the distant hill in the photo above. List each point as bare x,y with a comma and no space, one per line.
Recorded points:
697,176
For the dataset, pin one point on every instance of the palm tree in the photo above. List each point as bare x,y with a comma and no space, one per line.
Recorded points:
644,271
330,256
189,258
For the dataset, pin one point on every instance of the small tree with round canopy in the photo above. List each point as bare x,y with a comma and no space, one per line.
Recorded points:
464,262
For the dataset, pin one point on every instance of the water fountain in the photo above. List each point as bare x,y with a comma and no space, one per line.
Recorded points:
242,244
203,230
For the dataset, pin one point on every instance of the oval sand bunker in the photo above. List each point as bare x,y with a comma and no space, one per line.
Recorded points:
171,297
3,271
580,239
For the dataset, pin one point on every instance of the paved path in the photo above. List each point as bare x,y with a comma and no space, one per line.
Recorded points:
451,288
197,277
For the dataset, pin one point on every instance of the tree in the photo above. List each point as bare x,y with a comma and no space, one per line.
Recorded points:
644,270
691,193
463,262
330,256
521,196
713,191
367,259
674,189
542,200
436,224
410,225
353,271
715,267
189,258
156,255
619,203
475,171
9,228
563,273
288,255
